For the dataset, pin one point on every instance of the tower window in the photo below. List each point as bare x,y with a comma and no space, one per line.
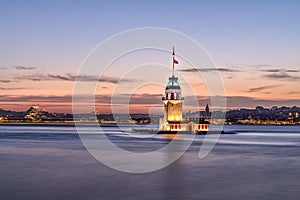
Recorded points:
172,95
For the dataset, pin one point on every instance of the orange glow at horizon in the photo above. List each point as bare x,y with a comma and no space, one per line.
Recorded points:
53,92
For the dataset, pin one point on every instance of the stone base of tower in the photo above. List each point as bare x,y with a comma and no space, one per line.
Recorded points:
152,131
190,127
199,131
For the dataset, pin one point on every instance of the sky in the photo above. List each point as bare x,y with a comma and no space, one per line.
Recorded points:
254,44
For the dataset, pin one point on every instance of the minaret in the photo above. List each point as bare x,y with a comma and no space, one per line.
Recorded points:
207,114
172,100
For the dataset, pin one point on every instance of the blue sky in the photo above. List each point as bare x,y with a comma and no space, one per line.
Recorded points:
55,36
32,30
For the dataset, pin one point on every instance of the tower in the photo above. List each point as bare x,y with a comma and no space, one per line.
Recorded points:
173,122
172,102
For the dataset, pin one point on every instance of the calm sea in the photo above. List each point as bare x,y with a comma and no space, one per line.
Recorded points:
50,162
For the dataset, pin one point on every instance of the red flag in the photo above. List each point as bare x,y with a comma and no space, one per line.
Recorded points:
175,61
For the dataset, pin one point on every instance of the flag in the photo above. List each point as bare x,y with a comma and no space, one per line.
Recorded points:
175,61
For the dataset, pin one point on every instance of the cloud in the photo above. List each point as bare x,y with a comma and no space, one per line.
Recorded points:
51,99
192,84
5,81
3,68
70,77
107,99
282,76
250,102
209,70
59,77
264,68
44,77
271,70
292,70
86,78
294,92
35,98
280,70
14,88
241,101
259,89
18,67
138,98
229,77
33,77
251,66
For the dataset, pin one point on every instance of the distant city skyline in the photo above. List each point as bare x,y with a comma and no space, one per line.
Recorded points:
260,115
255,45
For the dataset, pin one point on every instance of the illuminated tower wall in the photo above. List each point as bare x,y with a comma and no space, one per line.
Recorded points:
173,101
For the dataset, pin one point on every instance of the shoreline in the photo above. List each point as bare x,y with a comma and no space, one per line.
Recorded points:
116,124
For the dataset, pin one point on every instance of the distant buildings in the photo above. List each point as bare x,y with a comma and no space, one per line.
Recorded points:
260,115
35,114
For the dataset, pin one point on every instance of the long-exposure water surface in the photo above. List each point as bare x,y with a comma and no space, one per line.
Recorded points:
50,162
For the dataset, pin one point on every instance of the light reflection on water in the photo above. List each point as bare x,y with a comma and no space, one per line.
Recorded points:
49,162
251,134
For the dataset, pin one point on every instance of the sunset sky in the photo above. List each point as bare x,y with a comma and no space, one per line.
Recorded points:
255,45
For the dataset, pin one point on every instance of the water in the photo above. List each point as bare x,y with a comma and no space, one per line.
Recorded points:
50,162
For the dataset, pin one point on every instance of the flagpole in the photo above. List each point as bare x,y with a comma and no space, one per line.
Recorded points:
173,59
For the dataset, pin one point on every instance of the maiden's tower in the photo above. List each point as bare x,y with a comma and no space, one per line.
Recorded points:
173,121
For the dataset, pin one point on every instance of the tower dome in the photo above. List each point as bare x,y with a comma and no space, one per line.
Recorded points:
173,90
